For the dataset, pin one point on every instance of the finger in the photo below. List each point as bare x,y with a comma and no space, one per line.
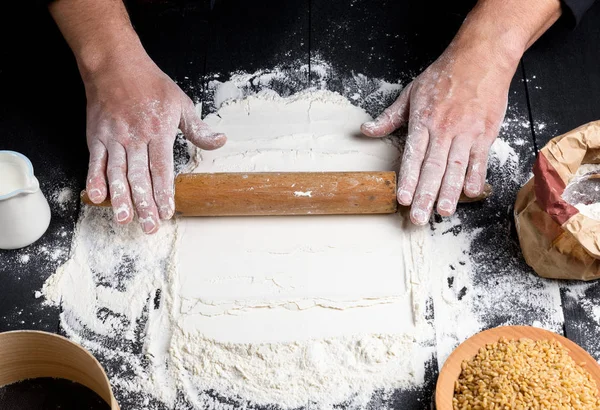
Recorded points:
119,188
197,131
415,148
138,174
163,174
96,179
454,178
430,179
392,117
477,170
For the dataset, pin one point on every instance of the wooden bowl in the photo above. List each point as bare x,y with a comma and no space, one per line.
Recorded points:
31,354
444,391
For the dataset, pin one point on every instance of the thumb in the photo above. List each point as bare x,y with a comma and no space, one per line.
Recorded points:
197,131
391,118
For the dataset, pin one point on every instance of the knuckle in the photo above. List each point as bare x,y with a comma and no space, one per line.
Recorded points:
424,114
388,112
142,205
452,185
458,163
160,164
408,179
117,184
443,124
115,169
490,125
441,143
434,164
414,151
137,175
424,199
140,192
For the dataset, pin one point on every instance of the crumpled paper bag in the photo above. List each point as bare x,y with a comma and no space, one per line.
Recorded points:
556,239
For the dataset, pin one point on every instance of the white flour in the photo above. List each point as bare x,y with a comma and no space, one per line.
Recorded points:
584,193
306,309
319,318
227,313
591,210
63,198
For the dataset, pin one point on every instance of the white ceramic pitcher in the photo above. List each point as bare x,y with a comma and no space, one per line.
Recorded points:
24,211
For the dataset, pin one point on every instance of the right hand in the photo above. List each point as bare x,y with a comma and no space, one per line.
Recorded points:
133,113
453,110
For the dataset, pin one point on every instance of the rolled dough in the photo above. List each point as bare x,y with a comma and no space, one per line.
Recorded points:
283,279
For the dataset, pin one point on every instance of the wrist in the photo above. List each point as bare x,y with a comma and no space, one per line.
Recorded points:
500,31
98,32
103,53
490,45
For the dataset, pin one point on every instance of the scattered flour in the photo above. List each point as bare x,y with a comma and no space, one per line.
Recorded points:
266,321
63,198
287,303
504,153
167,337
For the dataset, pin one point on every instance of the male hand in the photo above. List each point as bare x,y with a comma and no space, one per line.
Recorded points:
454,109
133,113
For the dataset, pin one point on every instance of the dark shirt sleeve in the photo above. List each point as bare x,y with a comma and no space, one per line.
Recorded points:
575,9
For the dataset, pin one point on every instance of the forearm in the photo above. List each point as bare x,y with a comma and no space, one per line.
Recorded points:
98,32
505,29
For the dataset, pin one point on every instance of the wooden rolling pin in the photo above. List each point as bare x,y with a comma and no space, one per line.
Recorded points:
293,193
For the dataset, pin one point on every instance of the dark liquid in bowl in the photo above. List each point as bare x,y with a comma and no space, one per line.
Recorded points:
49,394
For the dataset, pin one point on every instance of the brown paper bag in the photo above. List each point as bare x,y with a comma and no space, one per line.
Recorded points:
557,241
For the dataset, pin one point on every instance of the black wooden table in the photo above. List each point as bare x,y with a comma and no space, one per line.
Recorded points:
42,115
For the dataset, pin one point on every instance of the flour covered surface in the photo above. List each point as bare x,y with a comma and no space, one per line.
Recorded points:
325,300
313,312
268,311
301,276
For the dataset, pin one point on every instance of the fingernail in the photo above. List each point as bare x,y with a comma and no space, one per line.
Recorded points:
420,217
148,225
404,197
217,136
370,124
214,140
473,187
166,211
445,205
95,194
122,213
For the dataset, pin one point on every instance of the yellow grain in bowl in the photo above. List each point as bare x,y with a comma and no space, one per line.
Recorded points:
524,374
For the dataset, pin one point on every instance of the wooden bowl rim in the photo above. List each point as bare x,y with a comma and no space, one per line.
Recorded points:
469,348
40,350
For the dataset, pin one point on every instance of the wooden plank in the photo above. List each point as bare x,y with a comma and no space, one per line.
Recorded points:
392,40
563,80
248,36
42,115
563,84
175,35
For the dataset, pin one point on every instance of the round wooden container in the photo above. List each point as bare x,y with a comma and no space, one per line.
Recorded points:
32,354
444,391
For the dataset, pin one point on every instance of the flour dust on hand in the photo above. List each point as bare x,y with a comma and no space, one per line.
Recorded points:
132,119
